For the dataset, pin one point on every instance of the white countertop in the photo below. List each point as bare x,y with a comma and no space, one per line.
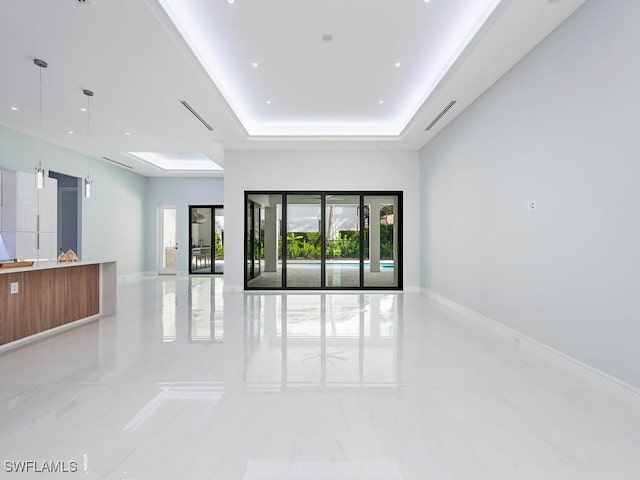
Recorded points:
50,265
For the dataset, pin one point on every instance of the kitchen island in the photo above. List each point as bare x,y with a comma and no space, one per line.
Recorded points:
50,296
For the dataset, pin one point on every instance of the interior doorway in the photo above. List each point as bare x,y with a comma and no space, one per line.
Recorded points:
69,221
168,239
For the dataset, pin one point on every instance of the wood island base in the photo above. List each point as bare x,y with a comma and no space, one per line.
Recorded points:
45,297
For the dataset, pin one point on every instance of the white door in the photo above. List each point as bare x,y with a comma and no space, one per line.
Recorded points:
168,244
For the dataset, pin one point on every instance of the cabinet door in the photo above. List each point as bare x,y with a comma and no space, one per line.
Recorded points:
26,217
26,187
27,202
48,216
48,199
26,246
9,244
48,247
9,199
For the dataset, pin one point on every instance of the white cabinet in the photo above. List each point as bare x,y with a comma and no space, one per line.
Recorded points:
21,245
48,246
48,202
29,216
26,202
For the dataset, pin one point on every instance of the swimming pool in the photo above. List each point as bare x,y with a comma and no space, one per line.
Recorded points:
384,264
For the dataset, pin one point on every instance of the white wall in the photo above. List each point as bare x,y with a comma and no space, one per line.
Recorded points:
180,192
561,128
112,219
317,170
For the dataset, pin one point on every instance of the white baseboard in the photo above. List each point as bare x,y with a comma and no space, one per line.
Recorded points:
524,340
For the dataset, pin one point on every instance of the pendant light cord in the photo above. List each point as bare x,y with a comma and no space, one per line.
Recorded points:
88,134
40,134
87,180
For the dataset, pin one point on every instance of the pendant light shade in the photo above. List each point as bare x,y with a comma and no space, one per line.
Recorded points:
39,176
87,187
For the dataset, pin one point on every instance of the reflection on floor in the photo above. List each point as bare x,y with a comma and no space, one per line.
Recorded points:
307,275
188,382
345,340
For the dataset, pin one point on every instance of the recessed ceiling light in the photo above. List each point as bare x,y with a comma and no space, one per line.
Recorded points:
127,133
254,64
71,132
15,109
268,102
231,1
380,102
83,109
397,65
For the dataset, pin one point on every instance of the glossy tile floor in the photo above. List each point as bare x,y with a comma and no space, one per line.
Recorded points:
187,383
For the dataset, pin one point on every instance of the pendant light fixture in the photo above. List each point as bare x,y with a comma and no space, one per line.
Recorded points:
87,180
39,170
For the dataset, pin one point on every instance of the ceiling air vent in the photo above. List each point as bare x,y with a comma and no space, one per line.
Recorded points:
440,115
117,163
83,2
195,114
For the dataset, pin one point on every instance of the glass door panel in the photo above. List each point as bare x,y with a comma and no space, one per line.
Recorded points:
168,245
249,241
206,236
201,239
382,215
342,237
264,241
218,242
304,241
257,240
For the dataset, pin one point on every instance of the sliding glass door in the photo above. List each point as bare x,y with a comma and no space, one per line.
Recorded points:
342,240
206,238
304,241
323,240
381,240
263,240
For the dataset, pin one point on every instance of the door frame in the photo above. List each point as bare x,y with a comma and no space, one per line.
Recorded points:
160,235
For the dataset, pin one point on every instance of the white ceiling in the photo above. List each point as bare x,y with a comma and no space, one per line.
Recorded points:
324,95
